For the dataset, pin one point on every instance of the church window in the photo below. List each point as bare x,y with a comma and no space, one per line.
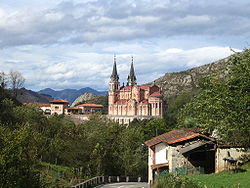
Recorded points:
156,105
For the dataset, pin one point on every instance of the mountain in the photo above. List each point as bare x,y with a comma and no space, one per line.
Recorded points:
91,98
176,83
71,94
83,98
28,96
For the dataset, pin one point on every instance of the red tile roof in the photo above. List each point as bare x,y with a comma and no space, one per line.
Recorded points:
126,88
74,108
91,105
43,105
175,136
156,94
144,87
59,101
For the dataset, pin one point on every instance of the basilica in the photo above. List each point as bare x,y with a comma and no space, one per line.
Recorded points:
131,101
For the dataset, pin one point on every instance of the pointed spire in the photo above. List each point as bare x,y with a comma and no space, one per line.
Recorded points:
114,74
131,76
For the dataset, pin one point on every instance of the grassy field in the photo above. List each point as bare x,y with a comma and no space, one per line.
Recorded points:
225,179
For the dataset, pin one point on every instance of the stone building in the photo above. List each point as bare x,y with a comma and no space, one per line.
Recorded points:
188,151
133,101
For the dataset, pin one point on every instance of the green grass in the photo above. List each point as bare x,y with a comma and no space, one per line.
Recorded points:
225,179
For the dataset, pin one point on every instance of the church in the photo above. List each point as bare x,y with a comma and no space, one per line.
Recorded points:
133,101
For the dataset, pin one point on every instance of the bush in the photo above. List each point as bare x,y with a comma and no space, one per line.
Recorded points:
174,181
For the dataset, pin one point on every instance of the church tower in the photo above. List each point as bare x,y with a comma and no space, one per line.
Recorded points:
131,76
114,84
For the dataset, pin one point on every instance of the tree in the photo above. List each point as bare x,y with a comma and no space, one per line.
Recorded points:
3,80
223,104
16,81
18,157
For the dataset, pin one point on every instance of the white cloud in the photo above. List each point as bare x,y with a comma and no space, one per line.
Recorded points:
71,43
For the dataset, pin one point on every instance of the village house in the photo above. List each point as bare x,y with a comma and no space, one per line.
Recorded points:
133,101
188,151
60,106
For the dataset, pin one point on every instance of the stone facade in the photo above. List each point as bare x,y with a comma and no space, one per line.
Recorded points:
133,101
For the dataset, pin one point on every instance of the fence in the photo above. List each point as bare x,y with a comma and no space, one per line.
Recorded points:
108,179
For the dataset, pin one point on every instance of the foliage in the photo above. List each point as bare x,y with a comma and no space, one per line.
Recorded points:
18,157
223,104
175,104
174,181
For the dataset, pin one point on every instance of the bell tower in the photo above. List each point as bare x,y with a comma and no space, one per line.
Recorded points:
131,76
114,85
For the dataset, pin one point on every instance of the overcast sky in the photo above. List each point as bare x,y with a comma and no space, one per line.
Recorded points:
70,43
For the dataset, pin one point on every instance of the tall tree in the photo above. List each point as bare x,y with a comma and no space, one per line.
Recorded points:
3,80
16,81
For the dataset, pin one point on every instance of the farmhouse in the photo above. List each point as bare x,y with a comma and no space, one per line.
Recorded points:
188,151
60,106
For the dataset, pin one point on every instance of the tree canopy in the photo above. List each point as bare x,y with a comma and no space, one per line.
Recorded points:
223,104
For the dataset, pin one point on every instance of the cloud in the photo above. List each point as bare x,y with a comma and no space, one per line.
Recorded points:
99,21
77,69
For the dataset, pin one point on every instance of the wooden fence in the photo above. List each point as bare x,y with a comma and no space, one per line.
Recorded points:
108,179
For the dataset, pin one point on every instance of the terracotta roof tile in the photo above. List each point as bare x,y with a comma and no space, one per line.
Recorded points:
156,94
126,88
144,87
174,136
74,108
91,105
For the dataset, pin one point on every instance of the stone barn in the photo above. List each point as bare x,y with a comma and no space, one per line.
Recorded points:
187,151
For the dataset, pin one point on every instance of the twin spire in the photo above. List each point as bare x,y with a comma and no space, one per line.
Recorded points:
131,77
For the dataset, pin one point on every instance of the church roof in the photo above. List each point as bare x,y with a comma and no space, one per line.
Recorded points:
126,88
131,76
144,87
156,94
114,74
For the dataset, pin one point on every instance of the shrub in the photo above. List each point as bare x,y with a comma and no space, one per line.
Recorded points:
174,181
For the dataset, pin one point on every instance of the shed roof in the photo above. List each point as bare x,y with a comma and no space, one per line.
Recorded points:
175,136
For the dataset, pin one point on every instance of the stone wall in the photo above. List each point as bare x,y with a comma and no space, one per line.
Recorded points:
235,153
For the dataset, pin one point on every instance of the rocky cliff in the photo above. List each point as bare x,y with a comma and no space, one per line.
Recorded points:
83,98
187,81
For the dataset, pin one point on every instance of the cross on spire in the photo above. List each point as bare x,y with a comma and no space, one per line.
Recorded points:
131,76
114,75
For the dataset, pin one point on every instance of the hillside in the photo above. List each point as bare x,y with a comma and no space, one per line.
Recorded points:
176,83
91,98
28,96
71,94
